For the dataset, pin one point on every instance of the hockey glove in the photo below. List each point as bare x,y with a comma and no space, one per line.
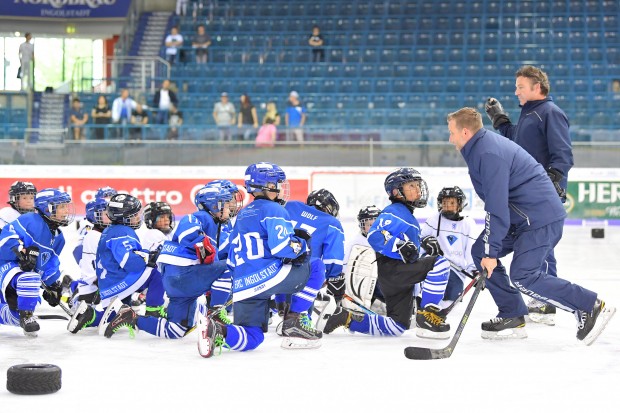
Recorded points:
496,112
153,255
408,251
431,246
297,261
556,177
28,258
53,293
336,287
205,251
303,234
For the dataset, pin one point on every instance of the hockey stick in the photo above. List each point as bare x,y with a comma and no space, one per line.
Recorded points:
458,299
462,271
52,317
423,353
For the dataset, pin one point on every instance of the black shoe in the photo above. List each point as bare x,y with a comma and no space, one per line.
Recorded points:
431,324
29,323
503,328
591,325
126,317
83,317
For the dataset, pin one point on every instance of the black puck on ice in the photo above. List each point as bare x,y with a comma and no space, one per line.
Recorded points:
598,232
33,379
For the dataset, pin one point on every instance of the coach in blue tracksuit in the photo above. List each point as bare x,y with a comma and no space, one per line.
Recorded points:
524,216
542,130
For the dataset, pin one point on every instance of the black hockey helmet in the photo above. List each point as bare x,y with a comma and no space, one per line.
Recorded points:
323,200
154,210
452,192
17,189
366,214
123,208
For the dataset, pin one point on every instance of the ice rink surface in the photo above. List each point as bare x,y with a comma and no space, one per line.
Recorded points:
548,371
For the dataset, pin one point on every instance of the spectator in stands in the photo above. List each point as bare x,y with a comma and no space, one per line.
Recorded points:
295,118
615,86
121,110
224,116
139,118
78,119
201,43
26,59
247,121
102,115
546,137
272,113
316,42
175,120
174,42
267,134
162,100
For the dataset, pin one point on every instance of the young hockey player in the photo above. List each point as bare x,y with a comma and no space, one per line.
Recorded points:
395,236
21,201
267,258
29,259
451,235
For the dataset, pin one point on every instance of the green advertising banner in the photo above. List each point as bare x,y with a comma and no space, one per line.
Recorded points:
593,199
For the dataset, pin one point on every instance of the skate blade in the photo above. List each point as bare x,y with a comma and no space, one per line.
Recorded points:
114,306
31,334
297,343
546,319
508,334
599,326
71,327
279,328
433,335
205,347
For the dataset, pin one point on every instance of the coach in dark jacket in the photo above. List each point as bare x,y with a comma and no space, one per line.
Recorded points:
524,216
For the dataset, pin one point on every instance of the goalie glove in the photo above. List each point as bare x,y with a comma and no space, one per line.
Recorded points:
53,293
336,287
408,251
431,245
27,258
205,251
556,177
495,112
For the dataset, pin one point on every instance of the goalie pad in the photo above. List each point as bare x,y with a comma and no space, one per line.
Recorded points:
361,275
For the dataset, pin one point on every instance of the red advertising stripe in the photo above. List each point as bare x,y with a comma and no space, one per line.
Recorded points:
179,193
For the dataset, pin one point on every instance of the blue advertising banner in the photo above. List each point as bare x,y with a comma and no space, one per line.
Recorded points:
65,9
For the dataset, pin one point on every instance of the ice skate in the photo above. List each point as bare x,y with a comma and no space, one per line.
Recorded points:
504,328
28,322
541,312
109,313
341,317
83,317
591,325
430,324
126,317
298,332
211,336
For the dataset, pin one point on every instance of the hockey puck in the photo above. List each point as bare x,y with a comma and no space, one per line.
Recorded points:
598,232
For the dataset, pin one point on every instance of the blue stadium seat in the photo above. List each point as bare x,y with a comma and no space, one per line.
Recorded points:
456,38
364,86
405,55
370,55
471,86
346,86
455,71
439,55
388,55
402,71
458,23
385,70
422,55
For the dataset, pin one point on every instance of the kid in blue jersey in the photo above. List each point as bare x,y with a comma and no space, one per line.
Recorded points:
395,237
29,258
318,217
267,257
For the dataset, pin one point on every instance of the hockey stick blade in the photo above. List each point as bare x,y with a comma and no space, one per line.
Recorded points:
423,353
52,317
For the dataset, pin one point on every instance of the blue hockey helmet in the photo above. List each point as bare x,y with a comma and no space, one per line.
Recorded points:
95,211
452,192
153,211
124,209
105,192
237,195
323,200
17,189
259,176
401,176
213,199
55,206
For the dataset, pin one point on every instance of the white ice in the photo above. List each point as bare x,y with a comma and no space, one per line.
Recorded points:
548,371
